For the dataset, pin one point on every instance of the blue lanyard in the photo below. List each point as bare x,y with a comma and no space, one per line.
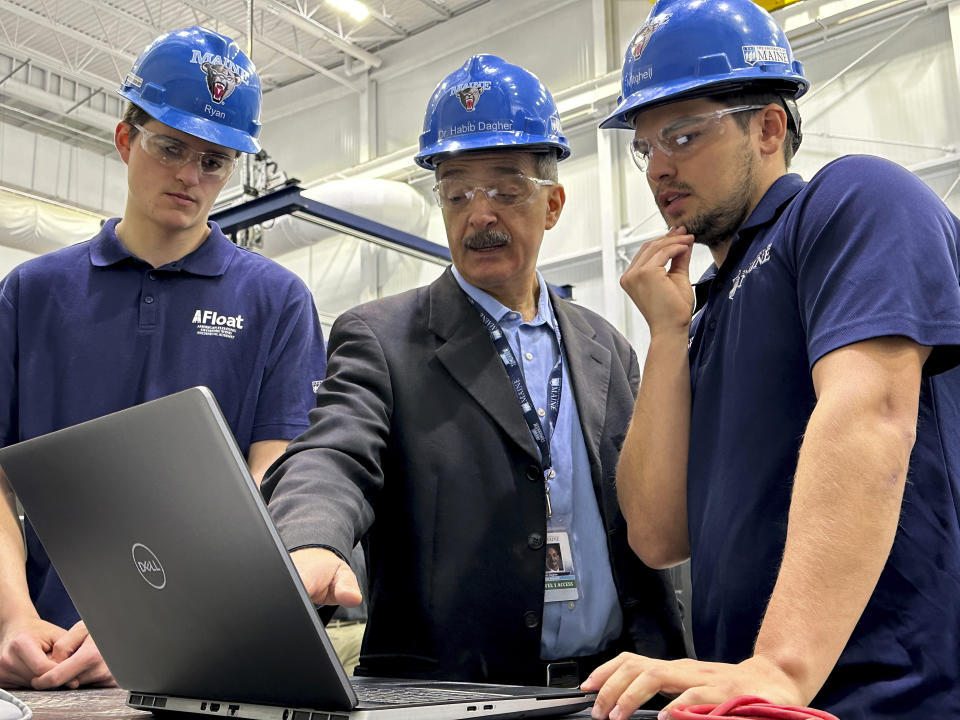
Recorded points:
554,386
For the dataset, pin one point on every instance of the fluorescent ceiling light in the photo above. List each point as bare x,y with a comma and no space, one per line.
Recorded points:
354,8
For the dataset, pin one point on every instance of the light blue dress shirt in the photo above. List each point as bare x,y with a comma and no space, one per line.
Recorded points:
590,624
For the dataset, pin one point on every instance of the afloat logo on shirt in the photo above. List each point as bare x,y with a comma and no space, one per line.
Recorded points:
216,324
762,257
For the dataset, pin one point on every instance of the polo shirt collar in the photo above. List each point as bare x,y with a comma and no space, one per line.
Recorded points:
210,259
498,311
767,210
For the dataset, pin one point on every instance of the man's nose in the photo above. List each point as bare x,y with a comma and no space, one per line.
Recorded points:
660,164
189,172
480,209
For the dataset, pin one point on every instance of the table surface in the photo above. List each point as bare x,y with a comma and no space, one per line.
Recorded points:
96,704
80,704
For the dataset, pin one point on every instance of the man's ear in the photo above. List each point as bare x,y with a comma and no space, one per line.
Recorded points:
773,129
556,198
121,138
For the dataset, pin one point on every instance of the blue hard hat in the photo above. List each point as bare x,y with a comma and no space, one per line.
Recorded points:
198,81
695,48
489,103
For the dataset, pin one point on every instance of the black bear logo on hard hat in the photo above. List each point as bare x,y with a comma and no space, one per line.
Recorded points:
469,96
221,81
643,37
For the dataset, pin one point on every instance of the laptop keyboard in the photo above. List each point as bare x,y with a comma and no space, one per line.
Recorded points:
406,694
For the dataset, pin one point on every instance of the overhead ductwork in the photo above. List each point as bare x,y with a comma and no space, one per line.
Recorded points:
385,201
39,226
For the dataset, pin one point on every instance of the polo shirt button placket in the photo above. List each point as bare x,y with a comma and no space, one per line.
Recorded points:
149,307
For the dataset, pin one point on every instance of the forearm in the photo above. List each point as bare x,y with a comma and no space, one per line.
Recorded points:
843,517
14,595
262,455
651,476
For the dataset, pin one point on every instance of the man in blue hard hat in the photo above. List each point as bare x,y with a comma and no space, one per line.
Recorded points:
796,439
468,425
160,300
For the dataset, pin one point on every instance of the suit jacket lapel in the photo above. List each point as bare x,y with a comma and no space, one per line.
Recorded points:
468,355
589,364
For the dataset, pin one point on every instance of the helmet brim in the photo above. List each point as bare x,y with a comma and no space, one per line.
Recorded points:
657,95
203,128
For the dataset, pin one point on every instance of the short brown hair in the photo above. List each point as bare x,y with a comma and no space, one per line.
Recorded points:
134,115
764,98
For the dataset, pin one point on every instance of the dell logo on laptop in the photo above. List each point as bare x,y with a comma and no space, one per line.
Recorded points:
149,566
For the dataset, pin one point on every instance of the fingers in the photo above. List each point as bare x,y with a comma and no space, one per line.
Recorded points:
675,248
68,643
648,252
83,667
23,659
599,676
344,587
626,689
327,579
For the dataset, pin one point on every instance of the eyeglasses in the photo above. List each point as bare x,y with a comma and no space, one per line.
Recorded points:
506,191
684,136
173,153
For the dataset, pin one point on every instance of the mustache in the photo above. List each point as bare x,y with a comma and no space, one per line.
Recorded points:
486,239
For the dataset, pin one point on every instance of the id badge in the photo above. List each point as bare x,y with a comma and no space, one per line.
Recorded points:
560,583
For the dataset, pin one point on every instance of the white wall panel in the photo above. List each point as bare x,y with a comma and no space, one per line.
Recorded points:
904,93
317,141
46,166
16,156
577,229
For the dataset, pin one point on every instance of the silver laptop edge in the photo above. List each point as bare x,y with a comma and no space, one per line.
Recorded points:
156,503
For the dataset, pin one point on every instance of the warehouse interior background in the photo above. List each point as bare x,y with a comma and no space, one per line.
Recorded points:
343,106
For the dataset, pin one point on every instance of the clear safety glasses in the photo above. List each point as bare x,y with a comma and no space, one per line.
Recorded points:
173,153
683,137
507,191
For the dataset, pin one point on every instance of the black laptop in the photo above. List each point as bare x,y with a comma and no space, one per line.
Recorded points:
164,543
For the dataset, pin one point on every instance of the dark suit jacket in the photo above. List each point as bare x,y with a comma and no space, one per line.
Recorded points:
418,426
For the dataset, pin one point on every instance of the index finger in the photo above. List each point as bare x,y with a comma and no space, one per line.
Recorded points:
26,658
67,644
600,675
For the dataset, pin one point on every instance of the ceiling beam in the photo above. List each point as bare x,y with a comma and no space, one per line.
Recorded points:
48,102
56,65
124,15
387,22
66,130
311,26
309,64
439,7
273,45
65,31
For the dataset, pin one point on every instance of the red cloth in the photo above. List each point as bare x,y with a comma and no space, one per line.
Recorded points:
746,706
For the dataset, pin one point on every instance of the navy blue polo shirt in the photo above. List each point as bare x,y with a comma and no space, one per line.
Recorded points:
91,329
863,250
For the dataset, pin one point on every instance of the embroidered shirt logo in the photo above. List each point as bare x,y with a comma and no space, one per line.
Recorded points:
759,260
210,322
